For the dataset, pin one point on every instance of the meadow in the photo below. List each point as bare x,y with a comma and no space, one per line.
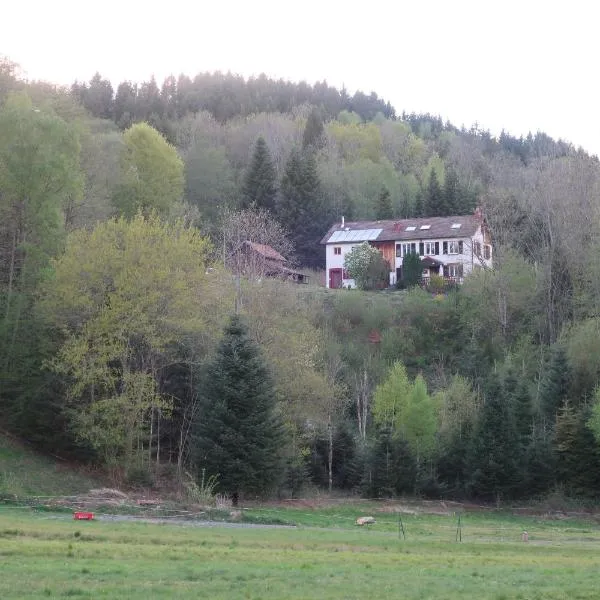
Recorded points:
49,555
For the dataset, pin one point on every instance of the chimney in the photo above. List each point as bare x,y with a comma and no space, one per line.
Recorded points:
342,221
478,213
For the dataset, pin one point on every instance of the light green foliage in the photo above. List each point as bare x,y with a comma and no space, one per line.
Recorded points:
391,397
39,176
408,410
459,405
419,420
124,295
434,164
151,173
367,267
356,141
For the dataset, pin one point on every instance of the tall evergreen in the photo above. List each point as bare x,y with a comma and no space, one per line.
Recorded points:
384,205
300,209
493,456
555,385
452,204
238,433
434,200
260,182
314,132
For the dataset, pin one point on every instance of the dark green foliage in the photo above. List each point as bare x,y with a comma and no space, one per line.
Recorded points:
554,387
434,200
300,209
411,269
347,464
540,464
238,434
97,97
494,452
419,209
390,469
578,455
452,197
384,205
260,182
313,136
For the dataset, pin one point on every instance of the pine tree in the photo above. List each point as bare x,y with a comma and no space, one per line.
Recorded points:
451,196
238,434
300,209
384,205
259,184
314,131
411,269
493,457
435,197
554,389
418,209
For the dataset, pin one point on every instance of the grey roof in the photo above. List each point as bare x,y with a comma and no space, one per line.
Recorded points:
402,229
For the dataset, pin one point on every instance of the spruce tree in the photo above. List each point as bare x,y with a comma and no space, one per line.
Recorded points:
300,209
384,205
238,435
493,458
435,197
452,204
260,182
555,385
313,136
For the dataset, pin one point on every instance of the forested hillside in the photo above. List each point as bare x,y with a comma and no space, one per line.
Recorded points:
120,212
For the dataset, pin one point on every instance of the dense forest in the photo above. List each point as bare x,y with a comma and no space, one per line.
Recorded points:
121,216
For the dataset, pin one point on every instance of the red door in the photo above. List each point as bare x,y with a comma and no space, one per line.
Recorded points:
335,278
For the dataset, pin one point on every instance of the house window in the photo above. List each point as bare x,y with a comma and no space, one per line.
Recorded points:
398,250
337,249
477,248
455,247
432,248
408,248
455,270
487,252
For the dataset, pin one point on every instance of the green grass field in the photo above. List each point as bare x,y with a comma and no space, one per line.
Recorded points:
24,473
48,555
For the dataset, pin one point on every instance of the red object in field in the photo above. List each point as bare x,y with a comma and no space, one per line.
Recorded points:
83,516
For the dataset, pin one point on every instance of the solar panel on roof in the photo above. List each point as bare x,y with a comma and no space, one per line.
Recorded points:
355,235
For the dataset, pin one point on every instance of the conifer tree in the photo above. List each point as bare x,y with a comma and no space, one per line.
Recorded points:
451,194
300,209
554,388
238,433
260,182
435,197
493,457
313,135
384,205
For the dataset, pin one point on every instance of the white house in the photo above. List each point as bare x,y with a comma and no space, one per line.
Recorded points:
451,247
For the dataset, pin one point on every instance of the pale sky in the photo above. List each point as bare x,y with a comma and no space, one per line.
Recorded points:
523,65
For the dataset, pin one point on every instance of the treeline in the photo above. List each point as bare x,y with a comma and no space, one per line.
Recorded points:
119,264
224,96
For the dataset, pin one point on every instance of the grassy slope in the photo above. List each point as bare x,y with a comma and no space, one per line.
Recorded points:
45,555
24,473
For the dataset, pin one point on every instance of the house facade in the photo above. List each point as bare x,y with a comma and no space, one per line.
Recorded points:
451,247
